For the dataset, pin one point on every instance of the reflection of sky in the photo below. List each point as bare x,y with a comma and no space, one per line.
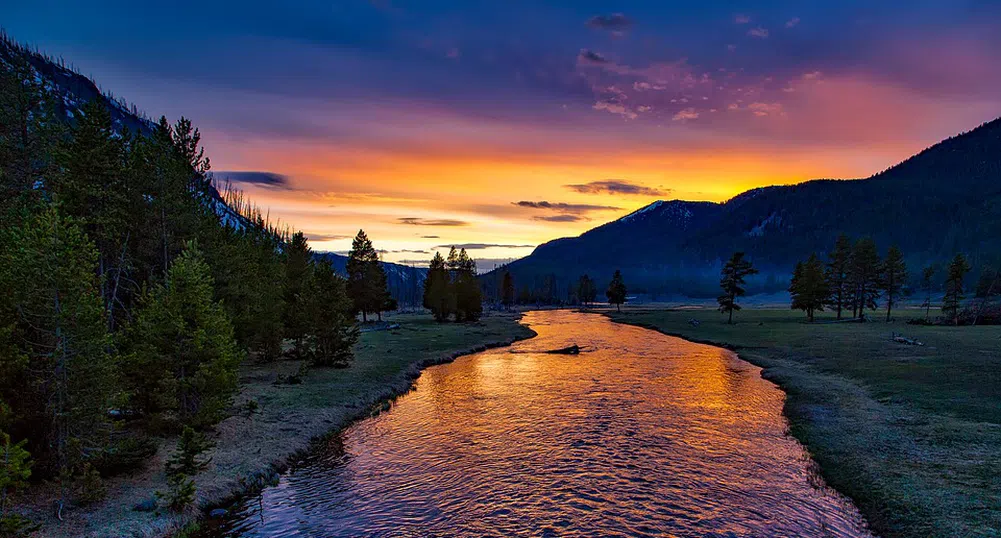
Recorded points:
434,118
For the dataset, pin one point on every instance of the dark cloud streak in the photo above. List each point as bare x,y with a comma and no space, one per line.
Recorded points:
417,221
266,179
616,186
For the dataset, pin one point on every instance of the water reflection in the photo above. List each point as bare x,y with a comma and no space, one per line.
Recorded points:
642,435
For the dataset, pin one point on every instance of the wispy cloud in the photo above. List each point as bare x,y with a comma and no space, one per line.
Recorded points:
686,114
560,218
792,22
326,237
266,179
564,207
617,186
482,246
417,221
741,19
616,23
759,32
588,56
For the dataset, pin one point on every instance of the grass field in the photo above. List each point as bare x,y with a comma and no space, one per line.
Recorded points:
911,433
251,447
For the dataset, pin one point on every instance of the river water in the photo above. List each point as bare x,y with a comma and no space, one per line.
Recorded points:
640,435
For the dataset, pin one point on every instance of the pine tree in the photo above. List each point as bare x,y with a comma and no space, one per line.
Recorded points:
468,296
59,380
15,469
507,290
362,287
616,291
894,275
334,331
953,299
586,290
837,273
732,281
183,355
809,287
864,276
297,289
188,458
437,296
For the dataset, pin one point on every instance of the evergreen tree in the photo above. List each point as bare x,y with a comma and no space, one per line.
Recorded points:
809,287
468,296
732,281
894,275
183,356
507,290
297,289
188,458
58,377
926,284
437,296
15,469
837,273
331,312
616,291
587,291
366,278
953,299
95,189
29,131
864,276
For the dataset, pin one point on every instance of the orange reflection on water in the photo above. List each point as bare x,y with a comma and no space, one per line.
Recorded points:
640,435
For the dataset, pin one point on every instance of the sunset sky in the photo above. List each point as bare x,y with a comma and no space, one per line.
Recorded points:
501,125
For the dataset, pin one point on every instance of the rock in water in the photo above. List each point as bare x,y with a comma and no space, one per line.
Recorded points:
571,350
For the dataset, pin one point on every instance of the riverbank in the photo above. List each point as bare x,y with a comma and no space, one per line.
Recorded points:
251,447
911,433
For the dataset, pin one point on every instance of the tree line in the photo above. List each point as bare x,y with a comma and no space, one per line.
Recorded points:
854,277
451,288
128,306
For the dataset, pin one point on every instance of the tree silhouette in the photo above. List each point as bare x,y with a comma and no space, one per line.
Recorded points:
894,277
507,290
732,281
809,287
437,297
865,276
616,291
953,299
837,273
587,291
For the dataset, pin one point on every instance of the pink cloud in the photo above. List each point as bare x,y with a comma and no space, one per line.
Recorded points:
758,32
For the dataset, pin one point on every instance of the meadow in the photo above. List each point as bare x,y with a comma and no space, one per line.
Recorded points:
911,433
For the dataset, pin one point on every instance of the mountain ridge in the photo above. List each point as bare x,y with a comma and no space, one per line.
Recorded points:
942,200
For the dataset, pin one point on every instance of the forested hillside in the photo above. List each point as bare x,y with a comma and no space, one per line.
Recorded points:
945,200
132,290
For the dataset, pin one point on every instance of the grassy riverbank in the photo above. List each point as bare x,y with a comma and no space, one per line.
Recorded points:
251,447
911,433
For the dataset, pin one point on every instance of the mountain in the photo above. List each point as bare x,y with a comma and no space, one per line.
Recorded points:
75,90
944,200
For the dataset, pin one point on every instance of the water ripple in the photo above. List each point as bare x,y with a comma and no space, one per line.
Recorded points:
646,435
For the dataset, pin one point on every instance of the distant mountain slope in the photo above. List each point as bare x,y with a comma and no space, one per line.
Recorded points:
944,200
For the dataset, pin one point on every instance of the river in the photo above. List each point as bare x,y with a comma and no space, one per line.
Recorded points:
642,434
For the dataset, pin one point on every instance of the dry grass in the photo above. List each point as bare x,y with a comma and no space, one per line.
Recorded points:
912,434
251,448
